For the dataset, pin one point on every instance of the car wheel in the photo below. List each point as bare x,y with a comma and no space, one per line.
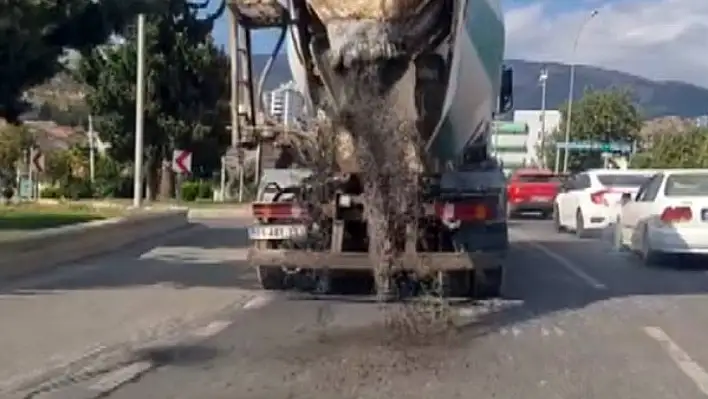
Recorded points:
617,236
556,220
509,212
648,255
580,231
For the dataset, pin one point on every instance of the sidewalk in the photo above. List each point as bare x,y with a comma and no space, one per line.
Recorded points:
120,300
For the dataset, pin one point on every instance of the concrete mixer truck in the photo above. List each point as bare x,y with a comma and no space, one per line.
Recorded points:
439,63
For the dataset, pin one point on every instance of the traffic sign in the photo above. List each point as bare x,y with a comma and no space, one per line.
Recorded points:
182,161
37,159
596,146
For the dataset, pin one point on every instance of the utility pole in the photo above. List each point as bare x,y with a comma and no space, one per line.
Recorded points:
139,114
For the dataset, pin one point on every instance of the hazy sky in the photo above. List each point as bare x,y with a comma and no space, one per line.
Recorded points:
658,39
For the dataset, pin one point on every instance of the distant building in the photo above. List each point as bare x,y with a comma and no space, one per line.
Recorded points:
509,144
284,104
534,123
517,143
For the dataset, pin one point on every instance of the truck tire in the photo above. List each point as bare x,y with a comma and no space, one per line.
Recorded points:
464,284
271,278
491,287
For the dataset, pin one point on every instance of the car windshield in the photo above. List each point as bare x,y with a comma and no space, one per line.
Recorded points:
537,178
623,180
687,185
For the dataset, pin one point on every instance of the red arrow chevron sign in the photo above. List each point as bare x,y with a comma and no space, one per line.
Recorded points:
182,161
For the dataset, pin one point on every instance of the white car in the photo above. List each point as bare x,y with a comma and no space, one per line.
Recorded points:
669,215
589,201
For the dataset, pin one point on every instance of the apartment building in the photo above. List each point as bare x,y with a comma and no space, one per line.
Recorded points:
516,143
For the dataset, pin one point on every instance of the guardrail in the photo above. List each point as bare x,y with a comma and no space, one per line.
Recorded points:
45,249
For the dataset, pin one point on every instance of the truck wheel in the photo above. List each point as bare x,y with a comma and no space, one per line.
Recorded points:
271,278
490,286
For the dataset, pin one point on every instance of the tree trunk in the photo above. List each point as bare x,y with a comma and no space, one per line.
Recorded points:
151,180
166,180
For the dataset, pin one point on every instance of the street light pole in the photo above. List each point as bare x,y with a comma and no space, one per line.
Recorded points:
571,89
543,78
139,111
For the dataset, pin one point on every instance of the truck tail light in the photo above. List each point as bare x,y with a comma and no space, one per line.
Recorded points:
278,210
676,214
465,211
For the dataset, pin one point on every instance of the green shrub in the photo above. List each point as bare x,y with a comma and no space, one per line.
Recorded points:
189,191
51,193
194,190
205,190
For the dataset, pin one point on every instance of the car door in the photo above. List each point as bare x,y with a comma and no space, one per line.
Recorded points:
562,199
580,184
628,213
641,209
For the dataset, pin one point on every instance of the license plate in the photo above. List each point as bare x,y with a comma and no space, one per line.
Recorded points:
280,232
540,199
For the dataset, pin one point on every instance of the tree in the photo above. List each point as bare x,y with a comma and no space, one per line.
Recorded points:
604,116
676,149
34,36
14,141
186,90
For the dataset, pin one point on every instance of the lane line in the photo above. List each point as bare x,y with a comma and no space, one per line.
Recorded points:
565,262
211,329
121,376
259,301
684,362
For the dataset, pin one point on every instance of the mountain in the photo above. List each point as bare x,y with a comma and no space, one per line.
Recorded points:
654,98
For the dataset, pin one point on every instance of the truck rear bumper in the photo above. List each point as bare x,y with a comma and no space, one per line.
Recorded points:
423,262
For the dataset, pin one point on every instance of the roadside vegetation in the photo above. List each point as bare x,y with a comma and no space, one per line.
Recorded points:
34,216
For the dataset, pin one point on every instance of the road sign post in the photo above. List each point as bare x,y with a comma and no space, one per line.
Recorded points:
181,165
37,166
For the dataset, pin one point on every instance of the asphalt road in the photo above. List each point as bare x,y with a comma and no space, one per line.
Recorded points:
577,320
85,318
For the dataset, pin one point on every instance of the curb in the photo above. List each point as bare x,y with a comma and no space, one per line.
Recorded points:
50,248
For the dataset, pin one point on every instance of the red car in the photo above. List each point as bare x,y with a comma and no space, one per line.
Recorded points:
532,190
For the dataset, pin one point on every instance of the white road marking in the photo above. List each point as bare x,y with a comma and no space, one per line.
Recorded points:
565,262
211,329
684,362
259,301
559,331
119,377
